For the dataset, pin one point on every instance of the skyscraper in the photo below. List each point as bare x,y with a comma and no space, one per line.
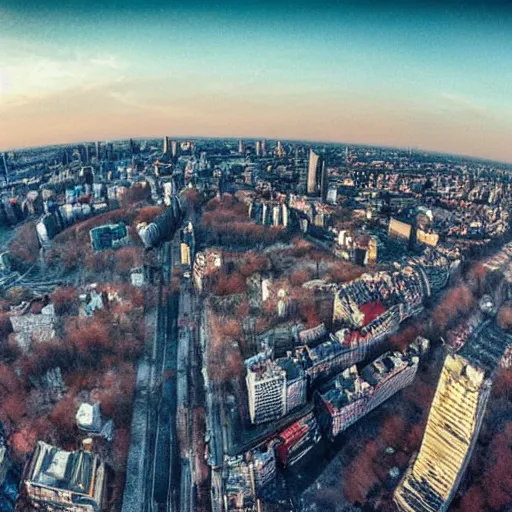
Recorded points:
174,148
280,153
318,179
5,167
166,145
258,148
241,147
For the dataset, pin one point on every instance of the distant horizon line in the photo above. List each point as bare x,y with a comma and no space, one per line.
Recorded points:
234,138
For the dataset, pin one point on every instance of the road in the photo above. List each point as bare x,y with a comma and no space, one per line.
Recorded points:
165,472
153,476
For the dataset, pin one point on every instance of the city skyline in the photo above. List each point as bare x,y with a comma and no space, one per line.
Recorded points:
434,78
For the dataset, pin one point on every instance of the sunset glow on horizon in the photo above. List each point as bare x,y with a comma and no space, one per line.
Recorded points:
433,78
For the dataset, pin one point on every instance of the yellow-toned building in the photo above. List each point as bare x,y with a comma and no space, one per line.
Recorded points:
454,421
427,238
185,254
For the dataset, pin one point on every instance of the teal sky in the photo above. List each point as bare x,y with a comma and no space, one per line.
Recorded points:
436,76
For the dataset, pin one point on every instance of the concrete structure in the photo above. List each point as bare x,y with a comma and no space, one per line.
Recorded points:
351,395
68,481
109,236
29,326
453,424
317,183
399,229
275,387
454,421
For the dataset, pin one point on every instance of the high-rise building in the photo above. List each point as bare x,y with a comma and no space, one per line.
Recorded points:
258,148
318,180
452,429
263,148
109,151
174,148
431,481
280,152
274,388
241,147
166,147
5,167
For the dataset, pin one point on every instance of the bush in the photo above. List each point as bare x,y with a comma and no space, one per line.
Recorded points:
25,244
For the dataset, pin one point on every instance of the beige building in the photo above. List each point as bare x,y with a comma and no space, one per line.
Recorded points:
454,421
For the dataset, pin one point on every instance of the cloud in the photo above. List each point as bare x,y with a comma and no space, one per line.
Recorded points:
31,73
464,103
107,61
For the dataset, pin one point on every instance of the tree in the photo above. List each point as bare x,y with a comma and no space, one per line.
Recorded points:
137,193
300,276
90,337
5,325
505,317
457,302
228,284
63,414
343,271
309,314
65,300
360,475
13,409
127,258
473,500
23,442
9,381
25,244
148,214
120,448
252,263
404,337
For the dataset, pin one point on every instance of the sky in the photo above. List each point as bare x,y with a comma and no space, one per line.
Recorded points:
427,75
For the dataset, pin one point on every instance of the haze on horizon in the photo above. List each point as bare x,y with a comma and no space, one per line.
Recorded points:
436,76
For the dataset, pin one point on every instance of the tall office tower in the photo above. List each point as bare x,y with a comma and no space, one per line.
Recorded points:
263,148
97,150
110,151
174,148
87,156
166,146
431,481
5,169
318,180
258,148
280,153
203,161
241,147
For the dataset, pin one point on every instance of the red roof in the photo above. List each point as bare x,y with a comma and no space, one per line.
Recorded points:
371,311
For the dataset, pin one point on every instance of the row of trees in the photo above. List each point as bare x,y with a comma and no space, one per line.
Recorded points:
226,222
